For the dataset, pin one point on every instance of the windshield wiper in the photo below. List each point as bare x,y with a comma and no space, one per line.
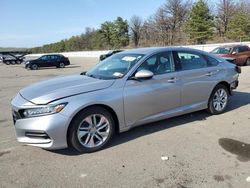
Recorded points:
93,76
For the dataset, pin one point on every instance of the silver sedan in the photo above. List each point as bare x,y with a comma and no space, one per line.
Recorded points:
128,89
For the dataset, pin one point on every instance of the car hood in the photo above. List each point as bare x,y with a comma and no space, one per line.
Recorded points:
61,87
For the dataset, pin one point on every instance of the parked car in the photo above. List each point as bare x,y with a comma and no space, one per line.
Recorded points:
52,60
13,57
238,54
128,89
104,56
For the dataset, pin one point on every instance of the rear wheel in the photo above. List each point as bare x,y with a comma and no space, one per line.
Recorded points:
218,100
61,65
248,62
7,62
34,67
91,130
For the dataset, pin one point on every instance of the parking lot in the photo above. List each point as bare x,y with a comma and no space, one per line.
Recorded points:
193,150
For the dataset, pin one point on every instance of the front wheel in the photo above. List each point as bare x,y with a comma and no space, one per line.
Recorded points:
218,100
34,67
91,130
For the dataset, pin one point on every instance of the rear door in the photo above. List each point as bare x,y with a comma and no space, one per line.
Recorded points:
198,77
145,100
55,60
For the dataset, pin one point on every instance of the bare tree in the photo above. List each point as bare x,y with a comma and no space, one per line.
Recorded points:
162,27
226,9
176,12
165,26
136,27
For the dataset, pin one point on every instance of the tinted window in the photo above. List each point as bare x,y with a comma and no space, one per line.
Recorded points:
44,58
191,61
159,64
243,49
54,57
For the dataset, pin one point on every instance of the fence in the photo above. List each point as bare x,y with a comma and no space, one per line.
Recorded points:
205,47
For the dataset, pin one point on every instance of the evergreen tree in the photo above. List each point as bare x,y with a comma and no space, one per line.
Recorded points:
200,23
239,27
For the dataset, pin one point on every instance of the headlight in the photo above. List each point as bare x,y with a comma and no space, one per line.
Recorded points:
41,111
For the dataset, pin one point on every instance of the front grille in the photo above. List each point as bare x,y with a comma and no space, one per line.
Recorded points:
37,135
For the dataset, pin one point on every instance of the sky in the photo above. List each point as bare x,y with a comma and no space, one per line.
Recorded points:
31,23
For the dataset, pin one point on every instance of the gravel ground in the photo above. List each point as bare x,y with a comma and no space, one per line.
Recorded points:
194,150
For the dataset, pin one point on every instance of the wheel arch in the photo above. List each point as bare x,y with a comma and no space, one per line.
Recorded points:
227,85
106,107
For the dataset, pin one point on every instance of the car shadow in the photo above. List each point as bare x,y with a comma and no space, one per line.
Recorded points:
238,100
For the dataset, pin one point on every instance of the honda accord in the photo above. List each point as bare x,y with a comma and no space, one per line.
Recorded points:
128,89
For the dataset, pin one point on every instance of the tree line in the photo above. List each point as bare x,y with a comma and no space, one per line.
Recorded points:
176,22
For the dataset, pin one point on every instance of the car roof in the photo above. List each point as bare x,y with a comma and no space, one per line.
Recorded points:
152,50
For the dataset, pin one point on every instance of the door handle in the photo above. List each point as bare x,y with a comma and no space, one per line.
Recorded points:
172,80
212,73
209,74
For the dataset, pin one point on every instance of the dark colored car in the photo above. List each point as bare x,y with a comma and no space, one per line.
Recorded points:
52,60
104,56
238,54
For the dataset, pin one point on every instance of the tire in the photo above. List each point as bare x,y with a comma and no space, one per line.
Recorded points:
34,67
61,65
7,62
247,62
13,62
92,137
218,100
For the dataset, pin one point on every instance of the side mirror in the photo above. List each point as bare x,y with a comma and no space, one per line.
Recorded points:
144,74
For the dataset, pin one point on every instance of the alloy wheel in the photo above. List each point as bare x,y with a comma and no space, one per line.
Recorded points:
220,100
93,130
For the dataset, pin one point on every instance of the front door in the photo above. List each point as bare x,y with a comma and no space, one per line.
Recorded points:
146,100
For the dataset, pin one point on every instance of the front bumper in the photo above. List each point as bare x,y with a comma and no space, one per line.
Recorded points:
48,131
234,84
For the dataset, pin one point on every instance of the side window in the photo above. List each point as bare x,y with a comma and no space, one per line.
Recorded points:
54,57
243,49
44,58
212,61
159,64
236,50
191,61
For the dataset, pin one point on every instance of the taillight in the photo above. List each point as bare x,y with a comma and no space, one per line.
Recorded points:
238,69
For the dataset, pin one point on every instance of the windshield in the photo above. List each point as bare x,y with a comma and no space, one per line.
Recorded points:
222,50
115,66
